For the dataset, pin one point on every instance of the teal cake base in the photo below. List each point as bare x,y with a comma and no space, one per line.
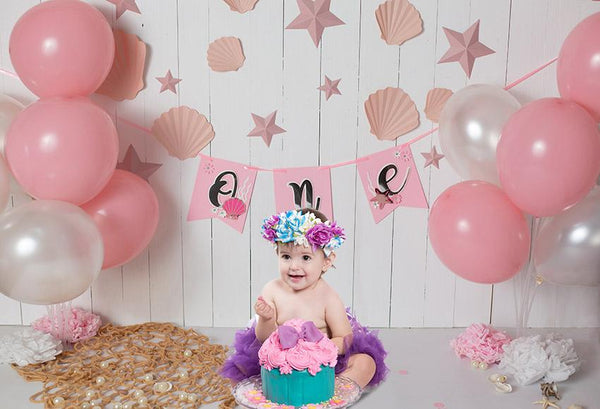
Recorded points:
298,388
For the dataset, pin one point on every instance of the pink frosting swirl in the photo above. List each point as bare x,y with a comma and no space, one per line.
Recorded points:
305,355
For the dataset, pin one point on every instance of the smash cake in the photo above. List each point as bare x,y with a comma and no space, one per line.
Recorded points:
297,364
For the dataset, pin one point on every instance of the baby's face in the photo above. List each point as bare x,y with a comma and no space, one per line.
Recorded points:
300,267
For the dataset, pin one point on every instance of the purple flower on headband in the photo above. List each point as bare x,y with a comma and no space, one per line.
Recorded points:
319,235
337,231
269,226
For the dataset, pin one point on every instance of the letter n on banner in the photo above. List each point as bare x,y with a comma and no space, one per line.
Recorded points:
296,188
223,190
390,179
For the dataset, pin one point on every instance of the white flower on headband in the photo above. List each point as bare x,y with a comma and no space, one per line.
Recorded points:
303,229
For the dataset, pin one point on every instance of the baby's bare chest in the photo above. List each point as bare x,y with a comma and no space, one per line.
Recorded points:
306,308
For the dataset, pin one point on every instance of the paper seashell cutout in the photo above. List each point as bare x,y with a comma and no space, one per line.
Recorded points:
126,77
241,6
234,207
225,54
183,131
391,113
398,21
436,100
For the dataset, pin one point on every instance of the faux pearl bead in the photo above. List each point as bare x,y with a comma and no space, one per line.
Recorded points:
90,394
187,353
85,405
138,393
117,405
100,380
148,377
483,365
183,396
143,401
182,374
58,402
192,397
475,364
162,387
126,406
104,365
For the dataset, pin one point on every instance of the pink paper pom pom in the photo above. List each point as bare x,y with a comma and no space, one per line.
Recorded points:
480,342
81,325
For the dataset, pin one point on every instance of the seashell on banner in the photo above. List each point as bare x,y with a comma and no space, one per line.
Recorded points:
398,21
234,208
126,76
183,131
436,100
225,54
241,6
391,113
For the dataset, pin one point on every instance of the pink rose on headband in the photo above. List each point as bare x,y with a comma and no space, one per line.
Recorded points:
319,235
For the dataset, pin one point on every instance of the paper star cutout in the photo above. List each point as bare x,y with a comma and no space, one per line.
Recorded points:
132,163
465,47
432,158
265,127
314,16
381,198
168,82
545,402
124,5
330,87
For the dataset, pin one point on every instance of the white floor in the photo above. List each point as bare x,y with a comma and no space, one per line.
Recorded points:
424,374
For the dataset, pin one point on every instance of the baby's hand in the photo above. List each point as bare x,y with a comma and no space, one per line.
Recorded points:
263,309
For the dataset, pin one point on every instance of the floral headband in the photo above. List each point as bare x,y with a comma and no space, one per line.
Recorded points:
304,229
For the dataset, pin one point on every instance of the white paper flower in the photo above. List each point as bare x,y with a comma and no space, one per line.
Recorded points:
525,359
28,346
562,357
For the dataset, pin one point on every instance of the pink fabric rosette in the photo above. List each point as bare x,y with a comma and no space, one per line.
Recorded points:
72,325
480,342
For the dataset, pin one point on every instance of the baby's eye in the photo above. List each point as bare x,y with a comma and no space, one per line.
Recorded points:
285,256
306,258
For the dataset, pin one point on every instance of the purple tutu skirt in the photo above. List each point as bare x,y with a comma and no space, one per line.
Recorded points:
244,361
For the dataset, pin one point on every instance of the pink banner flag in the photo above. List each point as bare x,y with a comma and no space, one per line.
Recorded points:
296,188
223,190
390,179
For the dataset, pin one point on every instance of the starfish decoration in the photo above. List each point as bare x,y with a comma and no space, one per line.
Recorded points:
330,87
465,47
381,198
432,158
132,163
265,127
546,403
168,82
315,17
124,5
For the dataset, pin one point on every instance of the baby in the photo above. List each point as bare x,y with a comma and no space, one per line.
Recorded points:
305,241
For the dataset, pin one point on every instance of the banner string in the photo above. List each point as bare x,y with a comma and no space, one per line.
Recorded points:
336,165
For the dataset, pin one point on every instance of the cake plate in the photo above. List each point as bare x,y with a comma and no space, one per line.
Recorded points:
248,394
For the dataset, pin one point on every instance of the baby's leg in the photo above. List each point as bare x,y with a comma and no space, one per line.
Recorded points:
361,368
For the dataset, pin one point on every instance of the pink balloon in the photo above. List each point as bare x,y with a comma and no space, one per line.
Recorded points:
578,70
548,156
478,233
62,48
126,213
63,149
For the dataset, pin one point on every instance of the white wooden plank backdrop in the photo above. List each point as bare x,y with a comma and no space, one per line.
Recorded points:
204,273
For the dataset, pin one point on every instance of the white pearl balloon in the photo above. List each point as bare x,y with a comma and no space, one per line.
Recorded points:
50,252
470,128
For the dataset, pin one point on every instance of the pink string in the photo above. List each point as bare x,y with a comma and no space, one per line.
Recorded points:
350,162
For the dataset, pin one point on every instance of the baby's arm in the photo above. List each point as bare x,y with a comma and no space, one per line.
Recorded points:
267,314
337,321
